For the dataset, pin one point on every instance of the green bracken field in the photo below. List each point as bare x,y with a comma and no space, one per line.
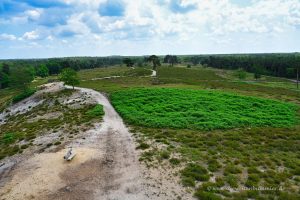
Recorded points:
201,109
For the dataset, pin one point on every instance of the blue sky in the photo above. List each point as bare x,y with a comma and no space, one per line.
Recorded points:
57,28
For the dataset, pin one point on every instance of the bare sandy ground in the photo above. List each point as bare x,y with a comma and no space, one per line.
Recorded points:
106,167
31,102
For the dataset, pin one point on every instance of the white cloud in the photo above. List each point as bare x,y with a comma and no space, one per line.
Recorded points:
212,24
5,36
32,35
34,14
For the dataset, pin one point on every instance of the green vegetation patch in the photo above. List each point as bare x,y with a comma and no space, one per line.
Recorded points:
23,95
184,75
201,109
97,111
194,172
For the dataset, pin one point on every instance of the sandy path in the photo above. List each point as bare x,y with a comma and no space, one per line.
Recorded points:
105,167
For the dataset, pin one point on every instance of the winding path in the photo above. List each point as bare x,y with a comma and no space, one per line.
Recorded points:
106,166
118,174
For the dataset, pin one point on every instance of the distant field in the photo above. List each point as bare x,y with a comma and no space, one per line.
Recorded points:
184,75
204,110
112,71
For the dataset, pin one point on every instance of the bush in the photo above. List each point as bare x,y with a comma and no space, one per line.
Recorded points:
174,161
9,138
202,195
165,155
143,146
188,182
195,172
213,165
97,111
232,180
232,169
241,73
24,146
252,180
23,95
57,143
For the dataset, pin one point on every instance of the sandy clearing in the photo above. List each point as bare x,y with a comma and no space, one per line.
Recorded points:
40,174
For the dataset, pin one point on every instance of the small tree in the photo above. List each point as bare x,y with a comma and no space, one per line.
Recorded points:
69,77
4,80
128,62
21,77
257,75
42,71
241,74
4,76
170,60
297,68
257,72
155,61
5,69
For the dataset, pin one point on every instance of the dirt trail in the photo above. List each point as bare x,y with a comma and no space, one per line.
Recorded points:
105,167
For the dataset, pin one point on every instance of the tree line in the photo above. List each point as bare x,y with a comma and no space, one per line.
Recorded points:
281,65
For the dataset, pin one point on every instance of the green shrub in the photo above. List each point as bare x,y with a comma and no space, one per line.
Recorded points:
23,95
188,181
202,195
232,180
49,144
195,172
97,111
174,161
165,154
24,146
213,165
9,138
232,169
143,146
57,143
241,74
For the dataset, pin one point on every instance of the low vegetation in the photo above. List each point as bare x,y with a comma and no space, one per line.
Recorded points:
113,71
97,111
212,161
23,95
204,110
20,131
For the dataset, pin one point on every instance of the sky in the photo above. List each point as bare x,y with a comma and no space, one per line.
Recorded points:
60,28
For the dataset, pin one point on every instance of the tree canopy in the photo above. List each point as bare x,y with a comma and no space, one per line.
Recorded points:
21,77
42,71
128,62
69,77
155,61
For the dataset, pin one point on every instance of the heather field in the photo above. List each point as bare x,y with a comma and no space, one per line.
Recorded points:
201,109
